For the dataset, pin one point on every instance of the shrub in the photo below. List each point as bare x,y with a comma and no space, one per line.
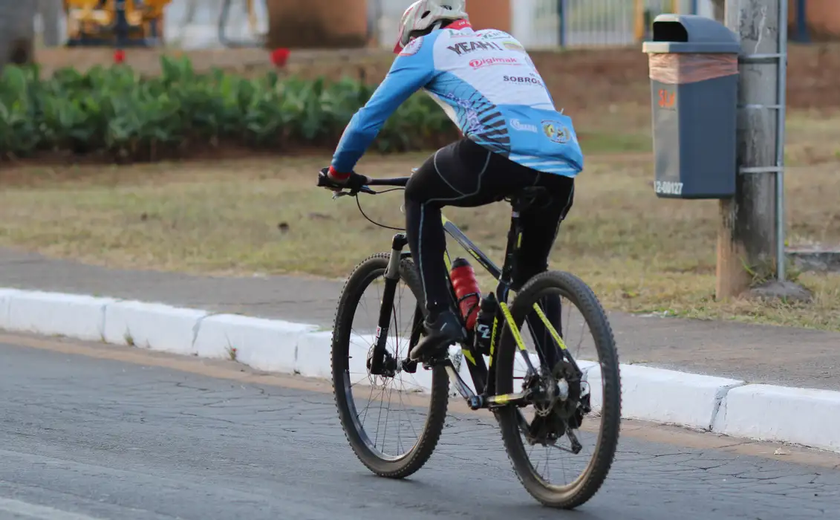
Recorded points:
116,112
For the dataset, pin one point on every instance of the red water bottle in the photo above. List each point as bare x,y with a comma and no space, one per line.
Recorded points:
466,289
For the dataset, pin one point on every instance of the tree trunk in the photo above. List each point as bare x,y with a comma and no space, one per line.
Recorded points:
17,32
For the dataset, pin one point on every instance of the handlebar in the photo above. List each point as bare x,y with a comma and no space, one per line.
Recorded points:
393,181
325,182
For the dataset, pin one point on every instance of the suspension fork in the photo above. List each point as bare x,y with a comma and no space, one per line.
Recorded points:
392,278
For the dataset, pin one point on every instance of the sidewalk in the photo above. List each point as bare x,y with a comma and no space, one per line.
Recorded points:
757,354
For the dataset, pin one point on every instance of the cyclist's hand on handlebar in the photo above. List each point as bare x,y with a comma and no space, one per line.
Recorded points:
330,179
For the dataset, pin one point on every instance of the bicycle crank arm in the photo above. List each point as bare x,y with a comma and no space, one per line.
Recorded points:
477,402
474,401
517,399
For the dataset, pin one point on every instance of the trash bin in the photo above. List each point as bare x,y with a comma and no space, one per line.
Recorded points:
694,81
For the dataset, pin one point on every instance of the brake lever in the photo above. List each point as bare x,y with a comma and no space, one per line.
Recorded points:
324,182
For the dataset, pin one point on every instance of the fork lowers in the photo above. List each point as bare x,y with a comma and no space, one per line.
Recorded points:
392,278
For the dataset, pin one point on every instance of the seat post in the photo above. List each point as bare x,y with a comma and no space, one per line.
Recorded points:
520,201
513,242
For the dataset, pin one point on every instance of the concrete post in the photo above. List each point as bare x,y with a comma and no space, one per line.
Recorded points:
719,7
747,233
51,13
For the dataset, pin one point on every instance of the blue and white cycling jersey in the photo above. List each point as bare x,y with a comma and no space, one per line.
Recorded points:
488,85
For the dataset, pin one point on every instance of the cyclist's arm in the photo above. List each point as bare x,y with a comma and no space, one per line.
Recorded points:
412,69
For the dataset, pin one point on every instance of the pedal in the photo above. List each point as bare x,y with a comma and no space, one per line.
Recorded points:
476,402
409,366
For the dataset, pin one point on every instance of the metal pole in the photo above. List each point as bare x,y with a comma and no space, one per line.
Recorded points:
563,9
780,141
694,8
802,22
121,24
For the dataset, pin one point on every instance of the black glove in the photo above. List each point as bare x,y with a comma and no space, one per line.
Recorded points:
354,182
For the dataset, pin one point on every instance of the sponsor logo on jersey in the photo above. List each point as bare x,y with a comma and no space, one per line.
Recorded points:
487,62
413,47
513,46
523,79
556,131
467,47
523,127
490,34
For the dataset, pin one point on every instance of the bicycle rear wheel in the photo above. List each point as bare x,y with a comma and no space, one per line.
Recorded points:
553,424
365,401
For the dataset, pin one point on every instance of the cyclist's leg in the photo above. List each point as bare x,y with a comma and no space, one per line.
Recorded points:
540,225
462,174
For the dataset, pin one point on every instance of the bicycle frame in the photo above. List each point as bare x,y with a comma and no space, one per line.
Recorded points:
483,378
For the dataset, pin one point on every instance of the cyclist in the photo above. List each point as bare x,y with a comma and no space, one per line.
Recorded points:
513,137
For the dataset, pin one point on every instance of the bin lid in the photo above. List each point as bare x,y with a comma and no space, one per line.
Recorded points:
685,33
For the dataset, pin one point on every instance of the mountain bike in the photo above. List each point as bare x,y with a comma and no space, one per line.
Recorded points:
559,399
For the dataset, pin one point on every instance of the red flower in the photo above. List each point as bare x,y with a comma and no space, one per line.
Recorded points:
119,56
279,57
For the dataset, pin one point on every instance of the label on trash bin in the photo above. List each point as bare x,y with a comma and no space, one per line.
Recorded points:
667,99
668,188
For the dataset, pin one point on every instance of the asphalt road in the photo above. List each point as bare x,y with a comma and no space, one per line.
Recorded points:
86,437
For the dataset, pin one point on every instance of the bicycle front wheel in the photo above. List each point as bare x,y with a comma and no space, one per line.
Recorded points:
570,420
394,420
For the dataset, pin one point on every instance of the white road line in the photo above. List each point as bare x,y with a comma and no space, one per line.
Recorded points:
42,512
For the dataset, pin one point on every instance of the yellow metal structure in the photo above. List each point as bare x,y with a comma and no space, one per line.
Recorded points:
105,22
641,15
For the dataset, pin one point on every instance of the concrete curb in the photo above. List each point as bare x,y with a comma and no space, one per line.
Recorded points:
150,325
726,406
666,396
261,344
776,413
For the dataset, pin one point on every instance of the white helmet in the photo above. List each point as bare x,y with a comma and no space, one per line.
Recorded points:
424,14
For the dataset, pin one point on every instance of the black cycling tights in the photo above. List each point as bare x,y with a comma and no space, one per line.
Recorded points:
465,174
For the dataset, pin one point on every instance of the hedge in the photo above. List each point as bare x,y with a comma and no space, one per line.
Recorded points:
115,111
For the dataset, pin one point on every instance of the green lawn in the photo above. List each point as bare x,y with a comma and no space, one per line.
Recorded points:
638,252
